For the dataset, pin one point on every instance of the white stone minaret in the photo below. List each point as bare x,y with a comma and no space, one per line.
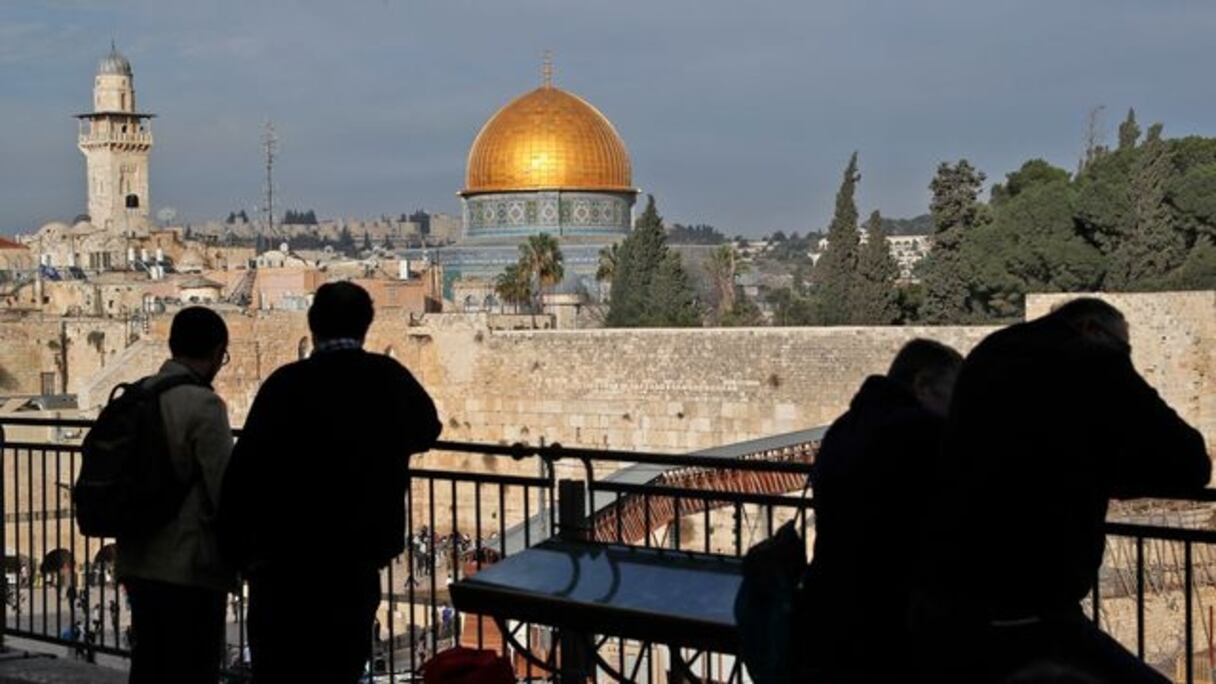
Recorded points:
115,139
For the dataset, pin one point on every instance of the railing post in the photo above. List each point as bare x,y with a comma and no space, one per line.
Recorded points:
576,663
4,547
571,511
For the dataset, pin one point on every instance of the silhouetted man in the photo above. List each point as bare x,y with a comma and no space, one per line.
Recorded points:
315,498
175,578
868,480
1049,422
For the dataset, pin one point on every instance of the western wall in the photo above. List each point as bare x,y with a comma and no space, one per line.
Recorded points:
670,390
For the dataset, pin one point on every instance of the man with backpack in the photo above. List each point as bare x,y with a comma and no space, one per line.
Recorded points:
175,579
322,464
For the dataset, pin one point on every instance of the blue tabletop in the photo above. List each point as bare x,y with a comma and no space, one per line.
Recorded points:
673,585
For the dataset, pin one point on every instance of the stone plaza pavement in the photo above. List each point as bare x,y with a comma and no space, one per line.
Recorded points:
20,668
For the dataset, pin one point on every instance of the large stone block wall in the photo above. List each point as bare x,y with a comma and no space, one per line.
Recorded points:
661,390
31,345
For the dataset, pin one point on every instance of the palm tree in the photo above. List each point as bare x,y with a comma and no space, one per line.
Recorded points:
541,259
514,286
723,266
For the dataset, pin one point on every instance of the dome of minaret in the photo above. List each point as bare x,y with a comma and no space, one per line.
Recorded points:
114,63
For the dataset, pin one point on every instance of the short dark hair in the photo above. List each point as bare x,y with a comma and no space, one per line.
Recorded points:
1082,309
341,309
196,333
922,357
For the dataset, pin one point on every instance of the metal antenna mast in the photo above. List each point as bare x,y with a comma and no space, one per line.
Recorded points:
270,142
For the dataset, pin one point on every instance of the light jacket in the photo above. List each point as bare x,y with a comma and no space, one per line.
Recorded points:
185,551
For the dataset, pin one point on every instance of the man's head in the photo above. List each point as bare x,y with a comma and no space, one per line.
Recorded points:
198,338
340,310
1097,321
928,369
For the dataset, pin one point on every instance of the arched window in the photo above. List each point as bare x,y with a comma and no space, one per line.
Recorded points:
132,201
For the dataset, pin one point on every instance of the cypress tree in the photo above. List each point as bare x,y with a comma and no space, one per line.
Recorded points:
649,285
637,262
955,212
1129,131
835,273
346,242
1153,247
876,301
673,302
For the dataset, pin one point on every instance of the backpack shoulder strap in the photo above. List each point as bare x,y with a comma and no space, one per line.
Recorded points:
162,385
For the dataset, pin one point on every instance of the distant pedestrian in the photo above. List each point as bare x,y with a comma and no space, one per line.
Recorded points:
336,428
175,579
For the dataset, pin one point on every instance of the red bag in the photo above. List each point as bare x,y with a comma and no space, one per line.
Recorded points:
462,665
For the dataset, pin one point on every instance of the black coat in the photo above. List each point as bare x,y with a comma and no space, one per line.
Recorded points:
1045,428
319,470
868,479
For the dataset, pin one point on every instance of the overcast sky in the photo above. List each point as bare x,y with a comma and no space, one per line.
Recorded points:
738,114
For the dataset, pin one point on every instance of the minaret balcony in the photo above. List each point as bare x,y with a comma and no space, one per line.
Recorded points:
132,140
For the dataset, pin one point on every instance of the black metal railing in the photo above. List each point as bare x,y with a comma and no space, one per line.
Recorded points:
469,504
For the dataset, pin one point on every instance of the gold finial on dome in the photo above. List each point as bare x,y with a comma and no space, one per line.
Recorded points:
546,69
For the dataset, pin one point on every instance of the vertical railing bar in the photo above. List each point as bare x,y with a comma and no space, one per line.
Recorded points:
1140,596
8,591
29,502
592,519
392,634
72,546
86,627
411,581
527,517
59,545
477,553
620,523
454,544
45,541
676,521
16,539
502,553
432,563
552,499
646,517
502,521
707,545
1190,609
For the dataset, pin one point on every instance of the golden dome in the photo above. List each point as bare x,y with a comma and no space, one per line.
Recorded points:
548,139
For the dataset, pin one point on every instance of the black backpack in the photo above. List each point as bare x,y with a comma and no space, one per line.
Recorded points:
127,486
